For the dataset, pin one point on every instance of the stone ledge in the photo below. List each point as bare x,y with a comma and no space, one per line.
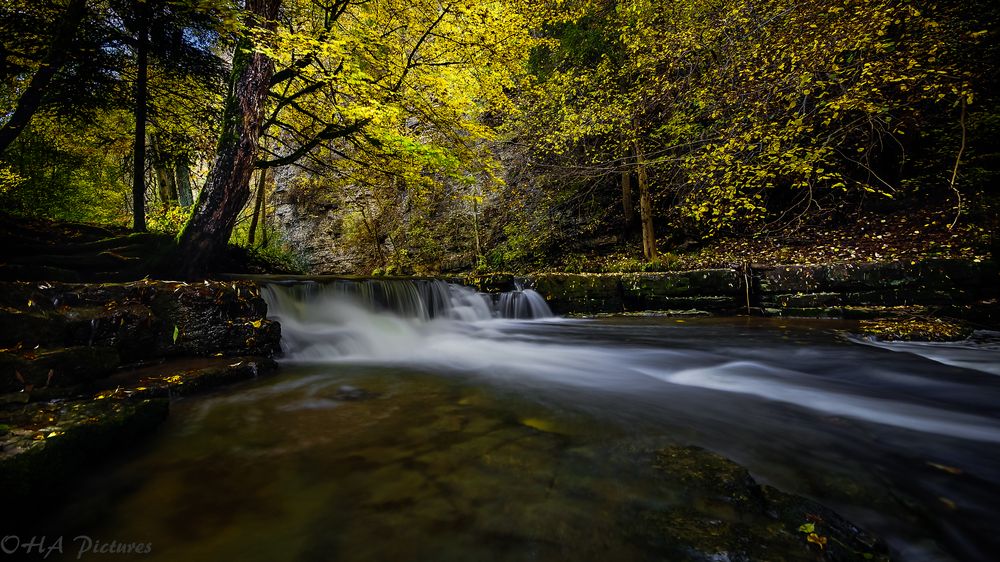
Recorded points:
124,323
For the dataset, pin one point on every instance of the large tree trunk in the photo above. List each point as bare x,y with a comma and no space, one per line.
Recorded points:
141,93
228,186
645,207
31,99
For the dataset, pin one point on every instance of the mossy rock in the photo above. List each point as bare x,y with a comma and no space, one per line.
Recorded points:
143,319
915,329
580,292
68,366
717,511
809,300
490,282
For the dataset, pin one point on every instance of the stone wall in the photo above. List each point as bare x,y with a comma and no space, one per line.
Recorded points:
834,290
819,290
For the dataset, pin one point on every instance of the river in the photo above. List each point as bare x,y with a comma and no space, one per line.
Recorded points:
415,423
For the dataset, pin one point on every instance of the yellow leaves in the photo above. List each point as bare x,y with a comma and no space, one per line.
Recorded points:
818,540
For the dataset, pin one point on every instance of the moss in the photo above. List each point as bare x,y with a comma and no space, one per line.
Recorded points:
915,329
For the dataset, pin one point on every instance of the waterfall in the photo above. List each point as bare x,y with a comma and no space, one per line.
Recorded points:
376,317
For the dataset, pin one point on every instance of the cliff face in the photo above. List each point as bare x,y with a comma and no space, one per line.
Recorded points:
314,226
420,229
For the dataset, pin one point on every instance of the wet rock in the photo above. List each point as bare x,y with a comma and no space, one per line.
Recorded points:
887,283
21,326
184,378
693,305
580,292
48,446
29,368
915,329
490,283
698,282
716,511
142,320
811,300
822,291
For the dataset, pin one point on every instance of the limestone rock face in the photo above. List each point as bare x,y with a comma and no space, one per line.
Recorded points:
316,231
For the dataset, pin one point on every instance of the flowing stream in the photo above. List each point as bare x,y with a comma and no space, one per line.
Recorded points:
418,420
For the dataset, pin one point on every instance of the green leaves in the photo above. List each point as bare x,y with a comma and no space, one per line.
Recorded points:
741,98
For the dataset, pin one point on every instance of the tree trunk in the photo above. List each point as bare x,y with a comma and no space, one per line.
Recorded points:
141,93
627,207
165,180
31,99
228,186
261,183
645,207
182,179
475,226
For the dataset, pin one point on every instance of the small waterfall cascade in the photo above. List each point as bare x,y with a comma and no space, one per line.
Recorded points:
520,303
375,317
421,299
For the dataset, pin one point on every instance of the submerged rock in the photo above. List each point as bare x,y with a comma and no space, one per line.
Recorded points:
348,393
719,512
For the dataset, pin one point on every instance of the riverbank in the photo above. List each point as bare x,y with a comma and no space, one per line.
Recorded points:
88,370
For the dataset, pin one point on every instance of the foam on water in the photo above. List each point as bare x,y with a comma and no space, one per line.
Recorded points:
981,352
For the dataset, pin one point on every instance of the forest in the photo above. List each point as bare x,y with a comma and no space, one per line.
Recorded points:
376,136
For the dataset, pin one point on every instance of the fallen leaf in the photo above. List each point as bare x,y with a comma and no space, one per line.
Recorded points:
945,468
817,540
